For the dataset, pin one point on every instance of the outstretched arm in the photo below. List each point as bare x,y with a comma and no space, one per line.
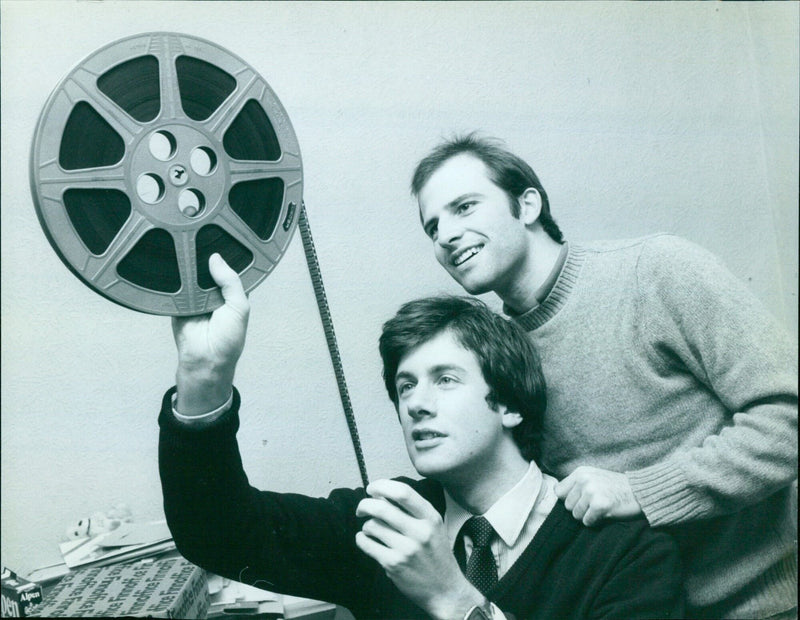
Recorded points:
281,542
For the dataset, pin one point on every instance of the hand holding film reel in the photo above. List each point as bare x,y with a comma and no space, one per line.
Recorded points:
158,151
209,345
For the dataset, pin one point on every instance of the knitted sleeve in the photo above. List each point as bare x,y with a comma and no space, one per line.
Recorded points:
702,320
277,541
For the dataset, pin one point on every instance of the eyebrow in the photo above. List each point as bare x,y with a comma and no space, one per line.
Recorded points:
400,376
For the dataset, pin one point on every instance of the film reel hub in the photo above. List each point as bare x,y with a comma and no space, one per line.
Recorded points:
155,152
179,175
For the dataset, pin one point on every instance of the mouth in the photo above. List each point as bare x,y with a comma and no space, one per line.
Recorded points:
425,435
462,256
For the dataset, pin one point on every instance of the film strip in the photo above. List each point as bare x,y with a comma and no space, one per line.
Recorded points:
158,150
330,338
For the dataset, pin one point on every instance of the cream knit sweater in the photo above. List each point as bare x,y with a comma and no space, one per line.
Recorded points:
661,364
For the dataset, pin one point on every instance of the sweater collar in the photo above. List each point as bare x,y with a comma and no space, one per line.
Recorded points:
560,282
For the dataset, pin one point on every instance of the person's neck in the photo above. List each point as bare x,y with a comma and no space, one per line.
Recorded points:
520,293
479,493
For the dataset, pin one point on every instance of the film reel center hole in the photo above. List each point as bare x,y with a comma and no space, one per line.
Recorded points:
203,161
162,145
150,188
191,202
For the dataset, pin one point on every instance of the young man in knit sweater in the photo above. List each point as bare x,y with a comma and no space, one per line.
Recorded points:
672,393
469,396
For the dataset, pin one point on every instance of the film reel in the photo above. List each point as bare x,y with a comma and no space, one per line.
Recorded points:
156,151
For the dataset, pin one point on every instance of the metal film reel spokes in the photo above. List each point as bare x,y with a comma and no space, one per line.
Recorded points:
155,152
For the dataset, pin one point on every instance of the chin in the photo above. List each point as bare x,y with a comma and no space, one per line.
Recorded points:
469,284
472,287
429,469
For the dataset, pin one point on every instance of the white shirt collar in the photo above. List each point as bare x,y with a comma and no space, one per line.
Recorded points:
507,515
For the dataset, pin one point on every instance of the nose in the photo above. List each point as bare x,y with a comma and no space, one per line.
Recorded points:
448,230
421,403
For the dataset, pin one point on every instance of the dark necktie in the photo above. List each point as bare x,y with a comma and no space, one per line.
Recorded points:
481,569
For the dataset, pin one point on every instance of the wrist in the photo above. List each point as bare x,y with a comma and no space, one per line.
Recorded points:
200,390
459,606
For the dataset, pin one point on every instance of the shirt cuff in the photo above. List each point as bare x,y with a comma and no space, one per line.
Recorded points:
487,611
203,418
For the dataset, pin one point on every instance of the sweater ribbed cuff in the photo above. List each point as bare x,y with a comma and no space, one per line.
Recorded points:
665,495
179,431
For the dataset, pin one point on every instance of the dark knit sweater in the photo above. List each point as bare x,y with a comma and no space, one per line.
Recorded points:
305,546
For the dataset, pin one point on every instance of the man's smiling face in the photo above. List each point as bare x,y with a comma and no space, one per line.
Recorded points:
476,238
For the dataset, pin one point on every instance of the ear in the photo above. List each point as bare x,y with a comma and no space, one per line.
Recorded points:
511,419
530,206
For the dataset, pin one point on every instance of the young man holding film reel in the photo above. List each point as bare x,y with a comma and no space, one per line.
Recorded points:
672,393
469,396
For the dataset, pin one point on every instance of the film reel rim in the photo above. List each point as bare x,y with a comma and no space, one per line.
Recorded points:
189,299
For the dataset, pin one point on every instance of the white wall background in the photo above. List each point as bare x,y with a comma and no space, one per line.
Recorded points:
638,118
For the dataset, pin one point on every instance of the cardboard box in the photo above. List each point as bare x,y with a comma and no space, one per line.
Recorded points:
169,588
19,595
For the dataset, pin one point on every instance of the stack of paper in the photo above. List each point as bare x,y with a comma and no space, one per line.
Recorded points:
232,597
128,542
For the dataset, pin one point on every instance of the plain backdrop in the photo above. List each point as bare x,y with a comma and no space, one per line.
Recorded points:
638,117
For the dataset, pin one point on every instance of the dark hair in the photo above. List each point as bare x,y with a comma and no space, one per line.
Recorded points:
509,172
507,358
